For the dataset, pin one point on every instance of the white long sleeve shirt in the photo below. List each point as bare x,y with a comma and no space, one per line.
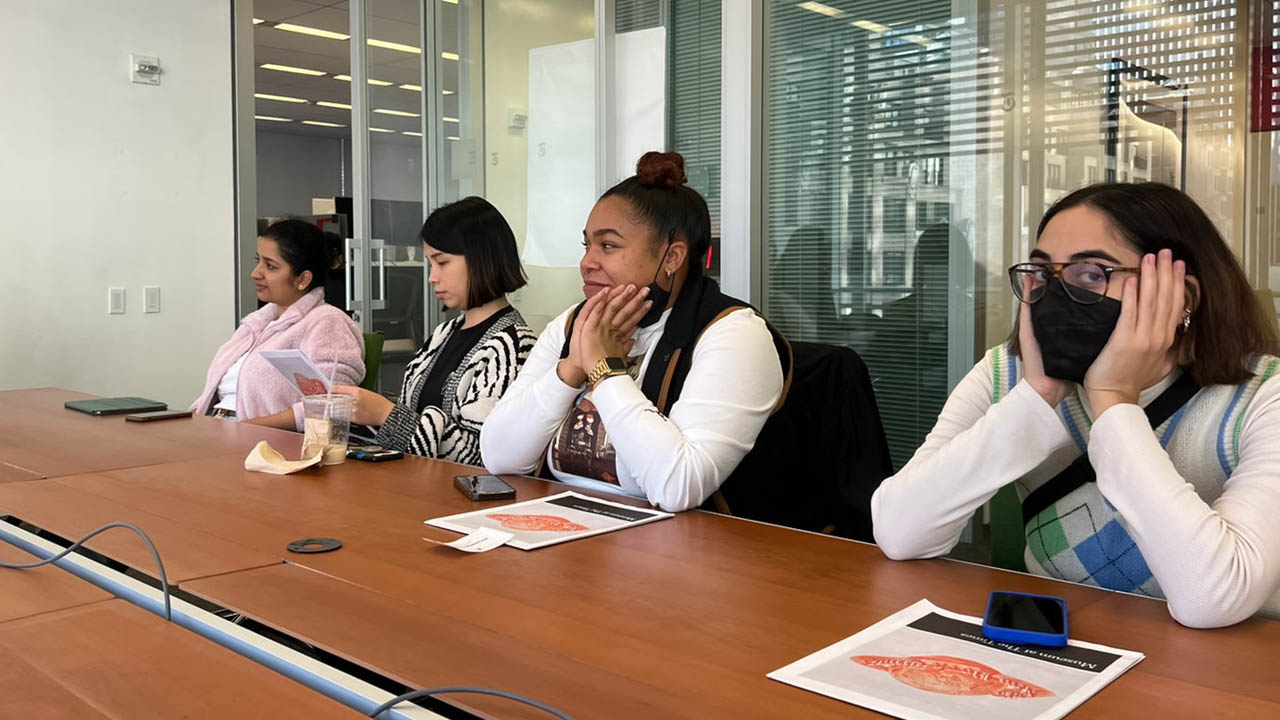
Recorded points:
1210,537
675,461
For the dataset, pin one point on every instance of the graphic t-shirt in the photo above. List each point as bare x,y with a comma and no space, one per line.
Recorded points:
581,446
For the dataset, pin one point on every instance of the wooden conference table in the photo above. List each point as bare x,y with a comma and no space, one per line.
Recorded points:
110,659
677,619
40,438
68,650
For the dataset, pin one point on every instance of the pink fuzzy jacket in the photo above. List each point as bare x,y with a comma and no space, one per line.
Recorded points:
322,331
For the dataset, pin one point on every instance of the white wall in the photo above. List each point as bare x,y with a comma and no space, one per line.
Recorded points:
108,183
511,29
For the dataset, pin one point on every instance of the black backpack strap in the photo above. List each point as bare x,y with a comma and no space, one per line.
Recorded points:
682,326
568,329
1081,471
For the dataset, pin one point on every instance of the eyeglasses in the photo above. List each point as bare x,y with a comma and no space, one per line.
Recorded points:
1085,282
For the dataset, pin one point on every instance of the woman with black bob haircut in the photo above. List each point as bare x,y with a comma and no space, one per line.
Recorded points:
1135,408
452,384
657,385
294,260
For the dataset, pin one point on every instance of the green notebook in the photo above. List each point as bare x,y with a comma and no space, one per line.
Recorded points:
115,406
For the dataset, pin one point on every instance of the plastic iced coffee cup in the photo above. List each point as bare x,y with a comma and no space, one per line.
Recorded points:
327,426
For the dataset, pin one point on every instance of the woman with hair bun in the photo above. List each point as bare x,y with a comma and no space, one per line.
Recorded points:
657,384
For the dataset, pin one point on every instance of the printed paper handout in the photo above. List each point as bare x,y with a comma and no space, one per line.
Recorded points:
298,369
550,520
925,663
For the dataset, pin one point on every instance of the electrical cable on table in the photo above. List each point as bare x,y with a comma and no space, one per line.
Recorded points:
164,579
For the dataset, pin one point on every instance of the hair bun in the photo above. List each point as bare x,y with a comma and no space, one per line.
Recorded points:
659,169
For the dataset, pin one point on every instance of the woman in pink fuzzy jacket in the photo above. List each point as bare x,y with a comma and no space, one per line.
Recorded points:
293,261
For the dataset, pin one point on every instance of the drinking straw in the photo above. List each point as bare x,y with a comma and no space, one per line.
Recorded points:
333,372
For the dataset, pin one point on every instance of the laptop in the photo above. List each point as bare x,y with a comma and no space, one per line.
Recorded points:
115,406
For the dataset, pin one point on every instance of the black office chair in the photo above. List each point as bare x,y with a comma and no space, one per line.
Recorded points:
820,457
403,317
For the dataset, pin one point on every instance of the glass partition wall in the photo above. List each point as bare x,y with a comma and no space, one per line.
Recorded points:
370,113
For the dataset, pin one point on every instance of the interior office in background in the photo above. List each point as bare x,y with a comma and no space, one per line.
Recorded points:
872,167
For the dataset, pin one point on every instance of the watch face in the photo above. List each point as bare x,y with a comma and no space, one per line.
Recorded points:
616,364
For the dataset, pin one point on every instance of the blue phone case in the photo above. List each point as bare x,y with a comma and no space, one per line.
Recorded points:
1001,633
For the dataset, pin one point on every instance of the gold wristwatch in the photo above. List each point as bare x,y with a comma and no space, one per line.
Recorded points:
606,367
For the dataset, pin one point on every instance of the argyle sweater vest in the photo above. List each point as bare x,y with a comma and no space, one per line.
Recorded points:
1080,537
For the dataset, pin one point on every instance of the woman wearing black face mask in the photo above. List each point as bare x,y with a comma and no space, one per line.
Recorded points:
1136,409
657,385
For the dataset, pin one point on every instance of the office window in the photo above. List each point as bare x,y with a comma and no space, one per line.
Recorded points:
895,267
1053,175
907,141
857,144
693,100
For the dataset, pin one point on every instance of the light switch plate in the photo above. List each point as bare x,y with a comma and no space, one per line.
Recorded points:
115,301
144,69
151,299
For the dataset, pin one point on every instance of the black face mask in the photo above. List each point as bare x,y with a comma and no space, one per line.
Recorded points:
658,295
1071,335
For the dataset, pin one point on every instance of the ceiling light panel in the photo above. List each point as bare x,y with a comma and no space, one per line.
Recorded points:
817,7
279,98
314,32
374,42
292,69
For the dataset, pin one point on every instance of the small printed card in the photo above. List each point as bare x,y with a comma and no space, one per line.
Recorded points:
480,540
554,519
298,369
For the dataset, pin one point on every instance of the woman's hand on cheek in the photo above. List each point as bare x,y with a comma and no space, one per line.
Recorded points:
628,317
600,337
1140,352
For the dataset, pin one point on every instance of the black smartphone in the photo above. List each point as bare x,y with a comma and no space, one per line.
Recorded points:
1026,619
158,415
484,487
373,453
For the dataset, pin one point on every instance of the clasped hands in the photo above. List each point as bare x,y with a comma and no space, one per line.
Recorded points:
605,327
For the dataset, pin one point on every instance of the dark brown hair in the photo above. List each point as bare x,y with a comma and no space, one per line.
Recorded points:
659,197
474,229
1227,322
303,246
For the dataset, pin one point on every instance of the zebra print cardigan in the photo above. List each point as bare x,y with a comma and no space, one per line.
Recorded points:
452,432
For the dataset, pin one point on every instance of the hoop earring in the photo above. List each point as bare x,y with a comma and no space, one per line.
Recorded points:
1186,319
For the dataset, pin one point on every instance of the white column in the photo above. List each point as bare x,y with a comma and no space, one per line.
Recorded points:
605,61
741,152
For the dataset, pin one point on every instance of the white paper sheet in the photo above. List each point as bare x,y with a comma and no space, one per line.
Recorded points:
925,663
298,369
550,520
